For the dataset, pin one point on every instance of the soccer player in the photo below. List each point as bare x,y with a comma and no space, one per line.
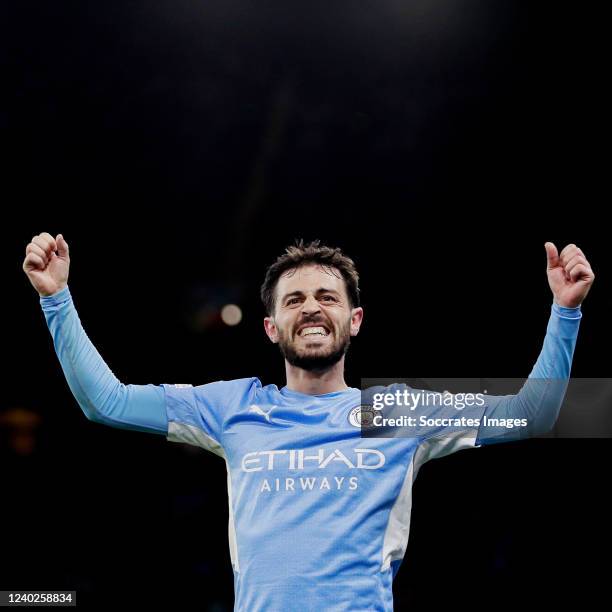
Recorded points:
319,515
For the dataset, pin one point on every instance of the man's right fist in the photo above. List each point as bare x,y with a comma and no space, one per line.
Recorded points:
46,263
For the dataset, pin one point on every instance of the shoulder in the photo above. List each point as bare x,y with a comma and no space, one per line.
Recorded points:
233,391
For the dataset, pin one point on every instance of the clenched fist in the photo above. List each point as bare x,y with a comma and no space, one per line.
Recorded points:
569,274
46,263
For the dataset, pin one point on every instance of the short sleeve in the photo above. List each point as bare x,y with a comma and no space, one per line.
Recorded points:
196,415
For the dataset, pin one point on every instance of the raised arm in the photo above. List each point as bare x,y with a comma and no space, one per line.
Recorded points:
101,396
570,278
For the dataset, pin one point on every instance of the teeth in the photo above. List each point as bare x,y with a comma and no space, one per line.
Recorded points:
313,331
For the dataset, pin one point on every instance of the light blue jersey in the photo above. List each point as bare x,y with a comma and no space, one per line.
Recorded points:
319,515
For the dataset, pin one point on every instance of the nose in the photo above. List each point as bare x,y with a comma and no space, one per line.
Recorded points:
310,305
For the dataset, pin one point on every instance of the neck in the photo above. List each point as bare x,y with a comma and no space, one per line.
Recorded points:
316,383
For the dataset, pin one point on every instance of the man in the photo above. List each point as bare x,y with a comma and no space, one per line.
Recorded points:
319,516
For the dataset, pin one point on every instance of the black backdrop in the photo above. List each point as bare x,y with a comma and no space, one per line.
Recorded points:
180,146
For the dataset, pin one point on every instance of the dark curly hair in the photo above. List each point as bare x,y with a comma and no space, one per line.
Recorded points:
300,254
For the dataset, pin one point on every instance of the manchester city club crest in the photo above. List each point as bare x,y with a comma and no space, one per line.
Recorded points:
362,416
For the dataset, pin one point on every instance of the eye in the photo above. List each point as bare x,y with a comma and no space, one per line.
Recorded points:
293,301
328,298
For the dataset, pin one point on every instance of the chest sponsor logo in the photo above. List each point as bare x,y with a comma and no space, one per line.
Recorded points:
313,460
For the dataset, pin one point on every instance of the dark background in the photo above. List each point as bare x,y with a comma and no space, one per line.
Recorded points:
179,146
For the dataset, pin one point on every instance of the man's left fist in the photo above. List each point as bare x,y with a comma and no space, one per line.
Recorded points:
569,274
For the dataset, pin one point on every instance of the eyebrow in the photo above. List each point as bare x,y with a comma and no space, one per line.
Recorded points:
300,293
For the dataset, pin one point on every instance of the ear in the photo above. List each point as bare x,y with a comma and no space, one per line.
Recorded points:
271,330
356,320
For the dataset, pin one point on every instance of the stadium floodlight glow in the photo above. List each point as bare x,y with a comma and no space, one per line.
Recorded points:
231,314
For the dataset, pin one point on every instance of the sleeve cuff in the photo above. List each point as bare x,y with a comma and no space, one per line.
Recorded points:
566,313
564,322
56,299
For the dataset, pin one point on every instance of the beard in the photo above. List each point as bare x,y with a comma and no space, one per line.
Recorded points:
316,360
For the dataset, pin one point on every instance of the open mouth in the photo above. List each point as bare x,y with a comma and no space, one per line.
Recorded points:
313,331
